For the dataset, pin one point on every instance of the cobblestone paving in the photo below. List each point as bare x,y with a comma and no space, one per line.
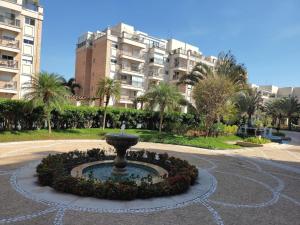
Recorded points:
252,186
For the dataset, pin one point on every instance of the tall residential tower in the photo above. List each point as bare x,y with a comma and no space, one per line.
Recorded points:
136,59
20,44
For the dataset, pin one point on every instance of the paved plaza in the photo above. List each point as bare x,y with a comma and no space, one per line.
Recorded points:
236,187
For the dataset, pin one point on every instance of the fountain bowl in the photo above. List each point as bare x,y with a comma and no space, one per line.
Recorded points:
121,143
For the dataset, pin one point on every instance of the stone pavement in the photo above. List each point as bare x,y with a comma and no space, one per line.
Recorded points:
248,186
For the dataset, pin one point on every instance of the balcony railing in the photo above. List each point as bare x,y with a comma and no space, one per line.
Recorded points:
179,51
132,83
133,37
156,74
9,43
11,64
156,61
31,5
131,69
11,85
134,55
180,65
8,21
161,47
127,98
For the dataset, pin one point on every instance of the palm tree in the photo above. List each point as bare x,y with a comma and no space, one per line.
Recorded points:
226,66
274,109
108,88
200,72
47,90
290,107
166,97
140,99
72,85
247,102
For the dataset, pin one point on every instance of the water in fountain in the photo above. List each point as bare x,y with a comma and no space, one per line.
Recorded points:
120,169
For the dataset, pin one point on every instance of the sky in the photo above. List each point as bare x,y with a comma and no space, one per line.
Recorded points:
262,34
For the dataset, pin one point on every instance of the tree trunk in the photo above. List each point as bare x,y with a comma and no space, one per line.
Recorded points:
161,115
290,123
49,123
104,119
249,120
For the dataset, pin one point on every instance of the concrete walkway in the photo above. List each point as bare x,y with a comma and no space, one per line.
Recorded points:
250,186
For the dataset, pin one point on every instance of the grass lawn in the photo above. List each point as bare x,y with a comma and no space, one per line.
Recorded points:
96,133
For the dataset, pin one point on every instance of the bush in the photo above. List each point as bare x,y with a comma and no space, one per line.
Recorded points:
20,115
257,140
54,171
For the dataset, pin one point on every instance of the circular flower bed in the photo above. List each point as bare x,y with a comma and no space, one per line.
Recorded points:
55,171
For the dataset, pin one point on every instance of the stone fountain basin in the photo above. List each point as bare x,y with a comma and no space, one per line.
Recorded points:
124,140
158,177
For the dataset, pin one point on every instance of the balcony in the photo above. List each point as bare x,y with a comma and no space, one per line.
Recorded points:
126,99
131,85
133,56
131,70
31,5
156,62
9,45
154,75
8,87
160,49
180,67
9,65
133,39
10,22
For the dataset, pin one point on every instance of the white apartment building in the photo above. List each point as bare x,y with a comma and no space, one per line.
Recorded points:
20,44
271,91
135,58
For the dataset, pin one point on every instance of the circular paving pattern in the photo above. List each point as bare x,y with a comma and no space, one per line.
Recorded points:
248,182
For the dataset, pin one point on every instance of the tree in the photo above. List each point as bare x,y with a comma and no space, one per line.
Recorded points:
200,72
211,94
248,101
108,88
165,97
226,66
46,90
71,85
273,108
290,107
140,99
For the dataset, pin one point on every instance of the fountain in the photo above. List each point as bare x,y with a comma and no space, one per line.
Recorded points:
121,143
95,173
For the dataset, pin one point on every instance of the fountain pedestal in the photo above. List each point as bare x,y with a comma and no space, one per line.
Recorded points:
121,142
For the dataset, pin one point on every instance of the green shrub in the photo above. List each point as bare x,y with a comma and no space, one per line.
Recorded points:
54,171
21,115
257,140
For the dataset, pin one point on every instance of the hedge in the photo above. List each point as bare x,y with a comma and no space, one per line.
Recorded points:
19,115
55,171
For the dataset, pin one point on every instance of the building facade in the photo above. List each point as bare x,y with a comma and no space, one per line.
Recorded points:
136,59
270,92
20,44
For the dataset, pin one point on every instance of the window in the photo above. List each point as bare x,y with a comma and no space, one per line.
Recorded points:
113,60
27,41
7,57
114,45
123,77
26,61
9,38
30,21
